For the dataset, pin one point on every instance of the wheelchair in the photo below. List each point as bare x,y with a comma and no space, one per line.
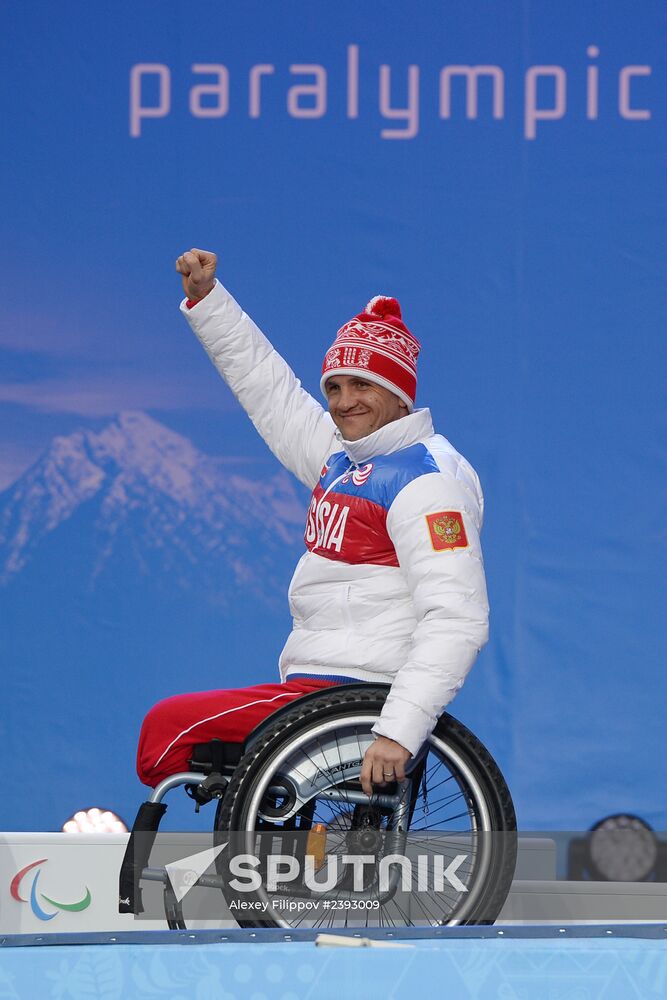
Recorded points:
438,848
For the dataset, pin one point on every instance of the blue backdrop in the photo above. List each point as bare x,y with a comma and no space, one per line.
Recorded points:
496,167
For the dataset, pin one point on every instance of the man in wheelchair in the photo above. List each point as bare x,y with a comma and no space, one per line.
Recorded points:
390,589
391,586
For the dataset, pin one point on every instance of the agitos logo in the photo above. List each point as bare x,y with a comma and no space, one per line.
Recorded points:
82,904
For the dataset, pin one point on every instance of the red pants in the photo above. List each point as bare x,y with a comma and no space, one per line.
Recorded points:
175,725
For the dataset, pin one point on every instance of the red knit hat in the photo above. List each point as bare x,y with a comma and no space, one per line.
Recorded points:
377,346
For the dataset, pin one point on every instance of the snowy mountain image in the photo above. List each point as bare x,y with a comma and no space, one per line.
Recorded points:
132,567
141,497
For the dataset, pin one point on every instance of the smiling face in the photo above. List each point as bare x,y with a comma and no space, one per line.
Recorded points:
359,407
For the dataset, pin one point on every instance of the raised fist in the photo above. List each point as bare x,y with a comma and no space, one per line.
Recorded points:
197,271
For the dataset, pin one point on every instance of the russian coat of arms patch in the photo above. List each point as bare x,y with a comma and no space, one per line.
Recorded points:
447,530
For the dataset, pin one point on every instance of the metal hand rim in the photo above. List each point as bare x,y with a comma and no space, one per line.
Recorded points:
448,753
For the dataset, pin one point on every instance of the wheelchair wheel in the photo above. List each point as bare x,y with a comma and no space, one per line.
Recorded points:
296,793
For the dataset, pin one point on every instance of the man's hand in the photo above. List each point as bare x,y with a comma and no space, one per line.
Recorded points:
384,761
197,271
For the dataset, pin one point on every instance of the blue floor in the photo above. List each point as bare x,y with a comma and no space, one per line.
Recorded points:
265,967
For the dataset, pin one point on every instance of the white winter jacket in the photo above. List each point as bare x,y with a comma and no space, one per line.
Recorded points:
391,587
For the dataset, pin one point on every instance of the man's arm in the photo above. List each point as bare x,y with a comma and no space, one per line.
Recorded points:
434,524
296,428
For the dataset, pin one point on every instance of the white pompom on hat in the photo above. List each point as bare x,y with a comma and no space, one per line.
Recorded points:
377,346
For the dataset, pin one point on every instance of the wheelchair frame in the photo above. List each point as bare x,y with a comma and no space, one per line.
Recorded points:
216,767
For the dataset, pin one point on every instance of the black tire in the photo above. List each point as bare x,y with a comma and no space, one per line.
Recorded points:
310,727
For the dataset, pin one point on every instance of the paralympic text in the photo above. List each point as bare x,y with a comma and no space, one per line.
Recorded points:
311,95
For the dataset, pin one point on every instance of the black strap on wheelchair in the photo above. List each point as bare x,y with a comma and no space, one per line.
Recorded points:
216,756
217,760
137,852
